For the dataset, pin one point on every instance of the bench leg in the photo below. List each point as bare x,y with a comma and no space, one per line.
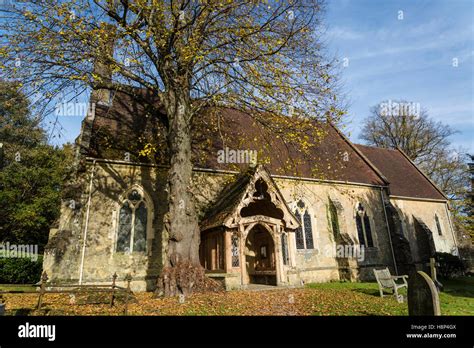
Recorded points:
381,291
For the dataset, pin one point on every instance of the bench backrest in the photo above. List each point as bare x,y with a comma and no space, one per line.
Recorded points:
384,277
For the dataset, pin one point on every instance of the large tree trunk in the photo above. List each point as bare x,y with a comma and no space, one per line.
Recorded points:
182,272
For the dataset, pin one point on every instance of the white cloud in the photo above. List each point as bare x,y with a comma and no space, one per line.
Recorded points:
340,33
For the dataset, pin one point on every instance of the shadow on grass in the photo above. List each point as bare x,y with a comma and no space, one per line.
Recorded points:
371,292
22,312
462,286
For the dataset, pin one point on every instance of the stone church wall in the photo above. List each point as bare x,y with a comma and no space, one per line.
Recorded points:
426,211
317,265
110,181
63,257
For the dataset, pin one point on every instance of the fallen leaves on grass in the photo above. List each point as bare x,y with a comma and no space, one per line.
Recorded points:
282,302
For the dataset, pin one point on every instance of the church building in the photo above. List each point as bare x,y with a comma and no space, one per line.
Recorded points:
268,214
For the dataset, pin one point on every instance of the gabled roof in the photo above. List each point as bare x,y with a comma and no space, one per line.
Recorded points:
126,127
405,178
241,194
227,201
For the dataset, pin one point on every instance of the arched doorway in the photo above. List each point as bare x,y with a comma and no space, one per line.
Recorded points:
260,261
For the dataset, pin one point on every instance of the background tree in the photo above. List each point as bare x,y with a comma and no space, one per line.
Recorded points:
407,128
259,55
31,172
464,216
427,143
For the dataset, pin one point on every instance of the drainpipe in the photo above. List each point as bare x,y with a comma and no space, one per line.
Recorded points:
388,230
81,269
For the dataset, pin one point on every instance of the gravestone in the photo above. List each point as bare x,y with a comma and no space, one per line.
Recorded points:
423,298
2,306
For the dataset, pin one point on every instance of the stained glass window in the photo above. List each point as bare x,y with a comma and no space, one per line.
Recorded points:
438,225
134,196
368,232
132,226
360,230
299,233
308,230
304,233
124,228
364,231
235,251
139,242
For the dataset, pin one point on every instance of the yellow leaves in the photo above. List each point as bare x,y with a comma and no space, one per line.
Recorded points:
29,15
4,52
317,299
148,151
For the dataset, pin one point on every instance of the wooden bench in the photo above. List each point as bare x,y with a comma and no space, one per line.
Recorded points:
387,281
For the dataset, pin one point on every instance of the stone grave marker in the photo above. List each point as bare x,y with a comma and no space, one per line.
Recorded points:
423,297
2,306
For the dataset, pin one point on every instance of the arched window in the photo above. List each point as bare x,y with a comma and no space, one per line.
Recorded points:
364,231
132,224
304,233
438,225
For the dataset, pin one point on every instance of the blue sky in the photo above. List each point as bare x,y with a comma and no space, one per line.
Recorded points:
408,59
393,59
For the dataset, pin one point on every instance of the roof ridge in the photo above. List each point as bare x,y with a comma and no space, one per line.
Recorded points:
376,147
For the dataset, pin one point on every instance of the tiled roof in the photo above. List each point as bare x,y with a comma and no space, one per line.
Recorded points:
126,127
404,177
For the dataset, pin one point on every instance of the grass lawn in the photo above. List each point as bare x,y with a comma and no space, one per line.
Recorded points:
457,298
19,287
315,299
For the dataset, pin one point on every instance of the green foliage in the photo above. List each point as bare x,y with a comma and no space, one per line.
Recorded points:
450,266
457,297
31,173
20,270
